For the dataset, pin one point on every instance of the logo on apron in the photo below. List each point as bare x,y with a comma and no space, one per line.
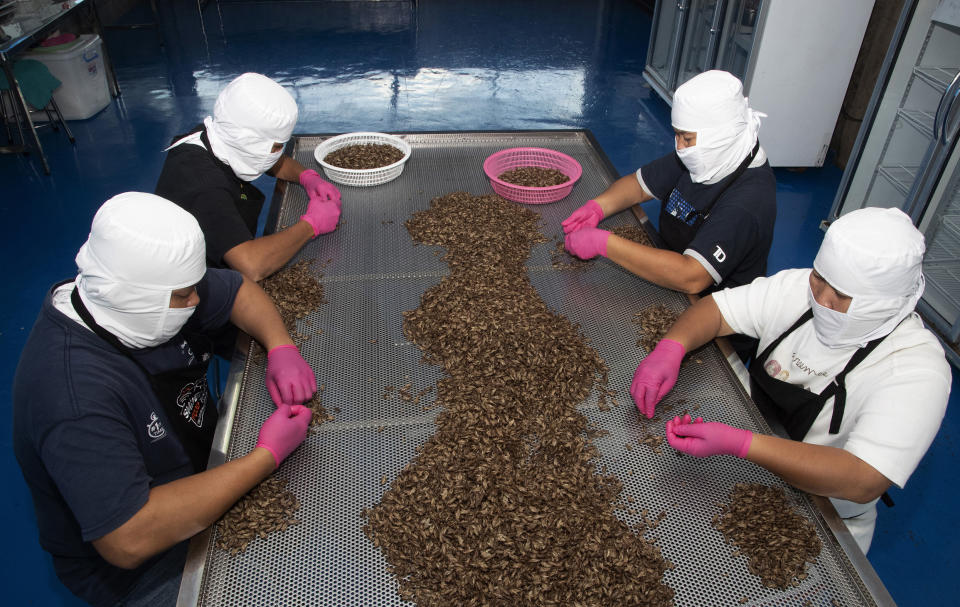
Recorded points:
191,401
773,370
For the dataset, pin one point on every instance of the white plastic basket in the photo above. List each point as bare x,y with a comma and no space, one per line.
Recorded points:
361,177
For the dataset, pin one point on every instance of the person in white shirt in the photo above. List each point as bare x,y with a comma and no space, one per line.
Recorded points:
843,362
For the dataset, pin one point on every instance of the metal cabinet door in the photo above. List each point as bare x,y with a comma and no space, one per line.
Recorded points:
900,151
701,42
938,213
737,34
666,37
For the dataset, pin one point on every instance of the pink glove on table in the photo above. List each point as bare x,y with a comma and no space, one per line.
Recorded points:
587,216
587,243
284,430
656,374
711,438
318,188
290,380
323,211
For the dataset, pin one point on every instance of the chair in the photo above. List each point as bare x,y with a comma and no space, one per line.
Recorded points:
37,85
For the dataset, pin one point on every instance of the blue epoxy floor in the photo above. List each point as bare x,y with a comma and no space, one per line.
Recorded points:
393,66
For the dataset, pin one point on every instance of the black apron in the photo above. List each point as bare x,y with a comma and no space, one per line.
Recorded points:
795,407
183,392
677,233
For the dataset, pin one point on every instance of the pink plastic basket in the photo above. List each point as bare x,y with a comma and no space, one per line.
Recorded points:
503,161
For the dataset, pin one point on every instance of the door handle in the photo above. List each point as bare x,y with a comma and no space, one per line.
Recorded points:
949,133
943,110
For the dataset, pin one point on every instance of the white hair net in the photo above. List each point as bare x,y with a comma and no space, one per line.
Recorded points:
712,105
141,248
251,114
875,256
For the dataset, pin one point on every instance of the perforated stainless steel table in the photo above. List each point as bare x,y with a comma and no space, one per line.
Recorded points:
372,272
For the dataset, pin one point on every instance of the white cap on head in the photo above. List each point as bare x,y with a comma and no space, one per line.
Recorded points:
712,105
141,248
251,114
875,256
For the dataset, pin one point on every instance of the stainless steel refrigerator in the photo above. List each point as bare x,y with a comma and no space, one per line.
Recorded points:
906,155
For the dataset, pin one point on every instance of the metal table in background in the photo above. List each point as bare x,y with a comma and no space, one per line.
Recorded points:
32,28
371,272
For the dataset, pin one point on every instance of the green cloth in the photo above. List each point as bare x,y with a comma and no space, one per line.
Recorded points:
36,82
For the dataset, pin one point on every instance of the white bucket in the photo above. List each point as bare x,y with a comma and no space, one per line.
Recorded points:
79,66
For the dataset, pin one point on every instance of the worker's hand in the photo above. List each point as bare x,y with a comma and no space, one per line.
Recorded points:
322,217
318,188
323,211
587,243
587,216
656,374
711,438
290,380
284,430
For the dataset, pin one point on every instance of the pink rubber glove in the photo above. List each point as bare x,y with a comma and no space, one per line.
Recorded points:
656,374
323,211
322,217
318,188
587,216
290,380
284,430
711,438
587,243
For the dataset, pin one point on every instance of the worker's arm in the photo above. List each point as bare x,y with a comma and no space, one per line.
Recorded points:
622,193
323,210
179,510
698,324
182,508
657,373
659,266
254,313
817,469
289,378
258,258
287,169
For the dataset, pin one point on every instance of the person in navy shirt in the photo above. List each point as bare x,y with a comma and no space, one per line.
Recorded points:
717,193
112,418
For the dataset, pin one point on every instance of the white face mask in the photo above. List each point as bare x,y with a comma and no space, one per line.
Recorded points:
828,324
173,322
875,256
263,164
141,248
250,115
858,325
243,151
712,105
693,159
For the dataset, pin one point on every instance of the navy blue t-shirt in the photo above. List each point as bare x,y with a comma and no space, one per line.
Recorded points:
734,241
91,437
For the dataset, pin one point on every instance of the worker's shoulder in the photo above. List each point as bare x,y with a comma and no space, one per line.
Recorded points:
760,179
190,168
68,373
912,346
755,192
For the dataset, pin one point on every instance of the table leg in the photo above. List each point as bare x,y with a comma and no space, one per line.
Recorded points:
111,75
21,103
